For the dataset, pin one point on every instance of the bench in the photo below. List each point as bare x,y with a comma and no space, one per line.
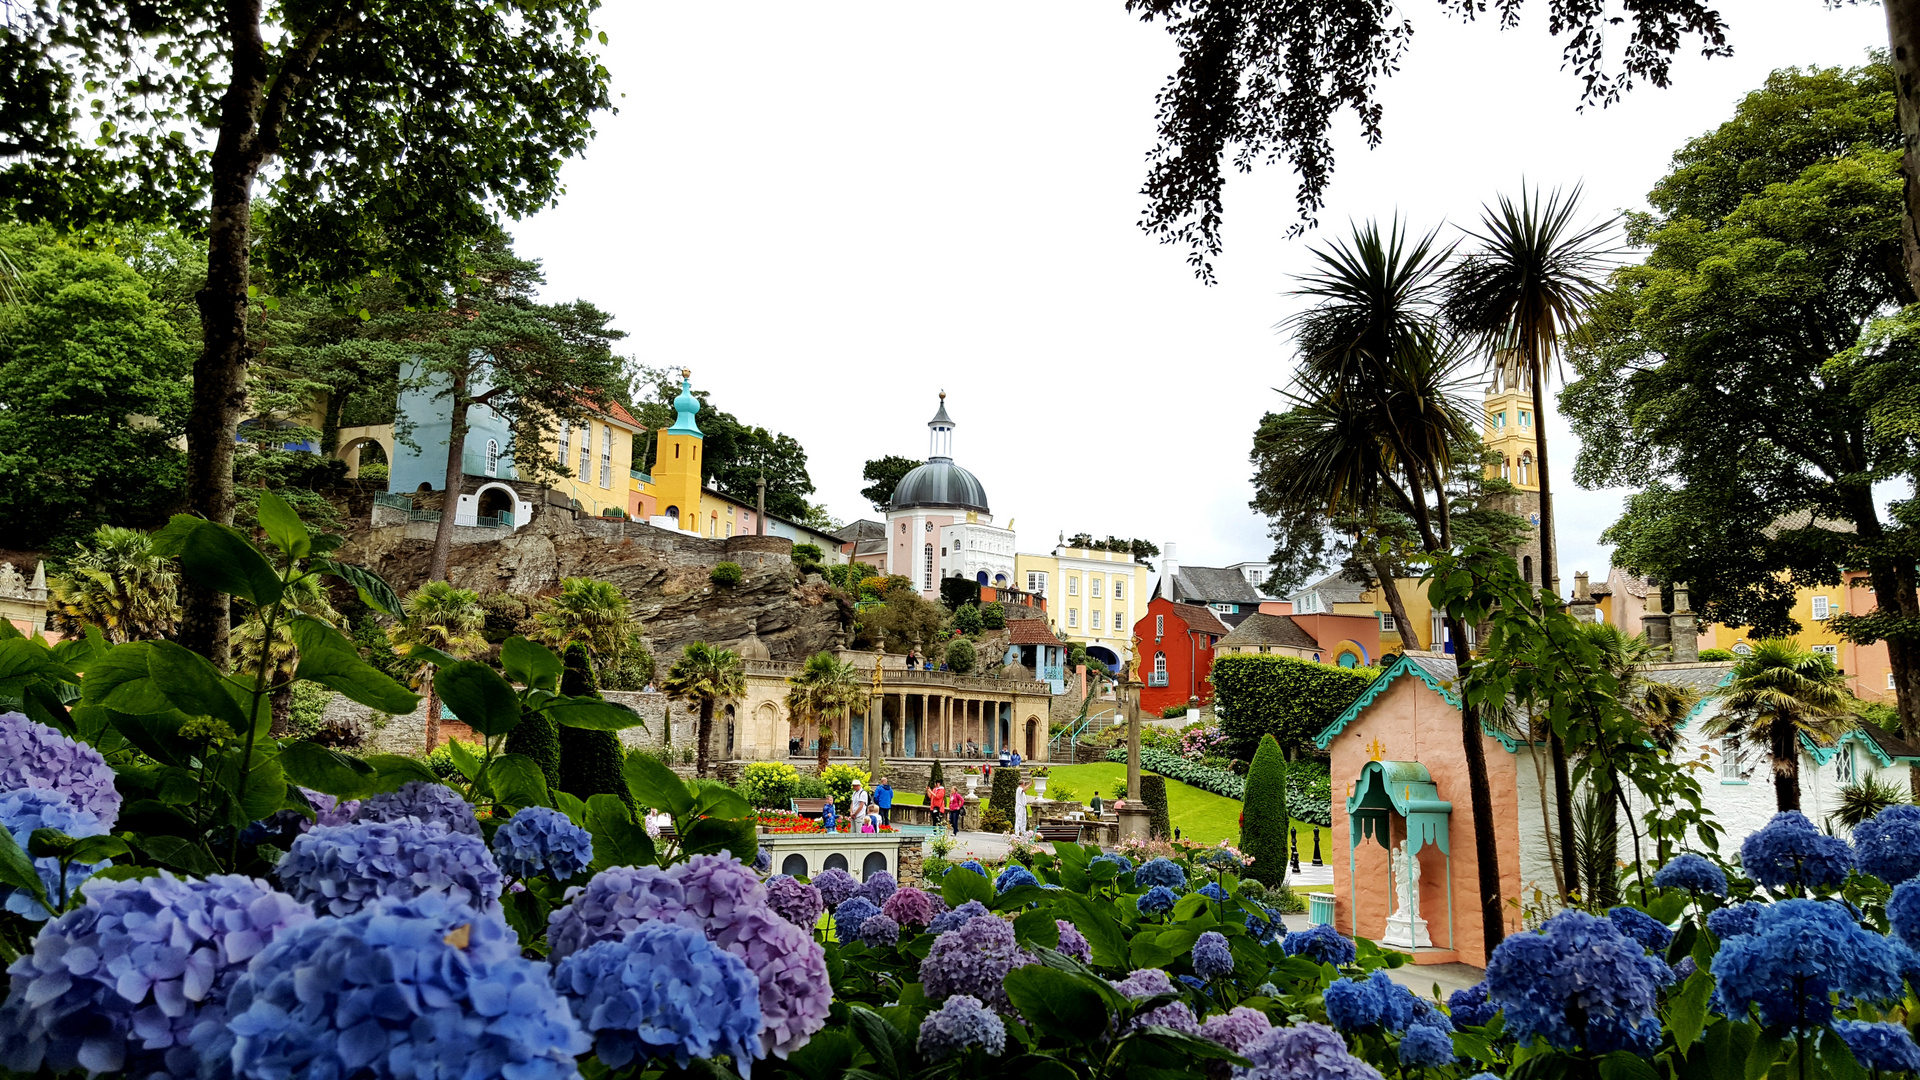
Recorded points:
1058,832
810,807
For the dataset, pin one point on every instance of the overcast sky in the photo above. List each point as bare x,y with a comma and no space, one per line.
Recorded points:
832,213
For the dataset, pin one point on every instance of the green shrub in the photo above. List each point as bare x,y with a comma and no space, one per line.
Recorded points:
1286,902
1005,782
1716,654
839,781
1253,889
967,620
1264,819
803,567
993,615
996,820
590,761
538,737
507,615
374,471
936,776
960,655
634,670
1310,792
1192,773
371,639
726,575
807,553
811,787
613,512
1153,793
1291,700
440,759
769,785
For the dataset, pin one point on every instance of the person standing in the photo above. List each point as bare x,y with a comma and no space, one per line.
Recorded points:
857,801
1095,804
1020,807
937,802
883,800
956,809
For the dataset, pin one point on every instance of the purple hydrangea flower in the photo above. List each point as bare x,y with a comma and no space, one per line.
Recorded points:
1322,944
1800,953
1733,921
795,991
1426,1048
1577,982
1888,845
540,840
1352,1004
958,917
1790,853
1684,970
1885,1047
909,907
340,869
26,809
1652,934
1144,983
614,904
417,987
795,901
1695,873
1211,957
1073,943
422,801
1470,1007
974,959
718,886
961,1021
1176,1015
1236,1030
666,992
877,931
1013,877
329,810
1160,871
1156,900
835,886
1303,1051
847,918
126,981
36,756
880,886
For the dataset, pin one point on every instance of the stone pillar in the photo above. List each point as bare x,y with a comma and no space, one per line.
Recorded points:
1130,698
1136,821
876,715
1686,627
1581,606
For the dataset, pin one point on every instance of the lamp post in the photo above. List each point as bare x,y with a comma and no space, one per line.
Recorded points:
876,711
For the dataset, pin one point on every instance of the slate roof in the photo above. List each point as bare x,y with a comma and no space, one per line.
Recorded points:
1202,619
1209,585
1894,745
940,483
1262,629
863,529
1334,589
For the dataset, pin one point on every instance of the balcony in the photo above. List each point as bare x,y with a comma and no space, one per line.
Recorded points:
1156,678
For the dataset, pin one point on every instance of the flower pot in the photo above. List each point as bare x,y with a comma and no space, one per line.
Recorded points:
1039,785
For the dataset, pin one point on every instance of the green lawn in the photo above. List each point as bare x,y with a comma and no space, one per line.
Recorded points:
1199,815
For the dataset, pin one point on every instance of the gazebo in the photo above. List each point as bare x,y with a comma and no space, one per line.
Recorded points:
1384,791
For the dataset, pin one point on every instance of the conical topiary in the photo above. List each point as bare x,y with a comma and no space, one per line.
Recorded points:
538,737
1006,781
1264,820
1153,796
590,761
937,777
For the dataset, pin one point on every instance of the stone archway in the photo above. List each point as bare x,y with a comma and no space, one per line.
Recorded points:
1033,738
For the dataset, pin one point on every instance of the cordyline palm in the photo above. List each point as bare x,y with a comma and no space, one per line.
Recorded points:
1377,379
1777,695
704,675
825,688
118,584
1531,281
441,617
591,612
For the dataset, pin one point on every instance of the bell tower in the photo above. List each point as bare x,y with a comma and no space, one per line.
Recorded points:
676,469
1513,433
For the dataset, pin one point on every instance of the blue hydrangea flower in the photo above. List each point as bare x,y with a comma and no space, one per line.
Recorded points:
127,981
26,809
1304,1050
1798,954
421,801
1577,982
853,911
1652,934
1695,873
880,886
960,916
1888,845
328,809
1426,1048
974,959
1124,864
1684,970
613,904
1398,1005
1073,943
415,987
763,859
1427,1013
1790,853
973,865
1157,900
1211,957
1352,1005
1013,877
1733,921
539,840
1212,891
1903,912
1322,944
961,1021
1267,929
340,869
835,886
1885,1047
36,756
663,992
1470,1007
1160,871
878,931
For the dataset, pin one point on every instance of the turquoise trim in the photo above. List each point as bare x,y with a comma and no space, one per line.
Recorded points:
1379,686
1700,706
1733,783
686,407
1821,755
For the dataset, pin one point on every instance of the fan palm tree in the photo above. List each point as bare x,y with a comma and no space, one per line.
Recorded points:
704,675
591,612
304,596
118,584
1530,281
1777,695
1660,706
441,617
825,689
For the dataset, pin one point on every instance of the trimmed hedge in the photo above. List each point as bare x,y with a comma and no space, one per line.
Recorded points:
1291,700
1264,817
538,737
590,761
1153,794
1308,789
1005,782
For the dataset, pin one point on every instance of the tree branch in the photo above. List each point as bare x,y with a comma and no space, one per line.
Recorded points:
293,72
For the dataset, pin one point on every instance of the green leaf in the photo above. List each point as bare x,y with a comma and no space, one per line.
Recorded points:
1098,925
572,806
464,759
121,681
329,659
592,714
93,849
266,784
1687,1010
121,872
655,785
326,770
395,770
179,853
618,840
530,664
478,696
218,557
717,801
1838,1060
1058,1003
1148,952
1037,927
170,539
156,736
374,592
892,1051
1622,1065
827,1056
961,885
710,836
516,780
195,686
17,870
1765,1052
527,913
426,654
283,526
1019,897
23,660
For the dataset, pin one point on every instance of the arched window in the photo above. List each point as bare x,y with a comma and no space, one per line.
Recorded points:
566,442
927,575
493,457
1506,468
1526,569
673,512
1159,663
1526,469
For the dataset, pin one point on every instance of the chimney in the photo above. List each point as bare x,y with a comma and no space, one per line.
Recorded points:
1169,569
1686,627
1581,605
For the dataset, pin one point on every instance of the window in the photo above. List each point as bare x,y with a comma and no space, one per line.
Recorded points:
1037,582
1526,569
1073,585
1831,652
1387,625
1890,685
1822,607
1506,468
1224,609
1096,620
1731,758
1844,765
1307,604
1526,467
1119,588
586,451
927,576
1160,628
1119,620
1093,586
1742,649
1526,418
566,443
493,457
1073,616
606,456
1159,663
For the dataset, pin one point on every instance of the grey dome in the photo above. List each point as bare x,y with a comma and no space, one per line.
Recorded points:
939,483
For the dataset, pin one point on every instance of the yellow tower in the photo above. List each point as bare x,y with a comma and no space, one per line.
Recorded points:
1512,432
676,468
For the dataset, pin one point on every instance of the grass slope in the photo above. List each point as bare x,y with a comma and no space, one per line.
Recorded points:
1199,815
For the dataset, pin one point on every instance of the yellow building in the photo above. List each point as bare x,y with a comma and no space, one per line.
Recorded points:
1093,596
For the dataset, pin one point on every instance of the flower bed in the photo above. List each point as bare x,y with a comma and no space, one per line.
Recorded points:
777,822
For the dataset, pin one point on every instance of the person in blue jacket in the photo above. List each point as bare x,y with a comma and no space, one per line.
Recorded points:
883,799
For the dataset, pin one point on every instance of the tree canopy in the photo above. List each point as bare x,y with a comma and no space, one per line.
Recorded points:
736,454
1143,551
883,475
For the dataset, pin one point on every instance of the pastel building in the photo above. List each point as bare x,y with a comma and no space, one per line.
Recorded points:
1091,596
939,524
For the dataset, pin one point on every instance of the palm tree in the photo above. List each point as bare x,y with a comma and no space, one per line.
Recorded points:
1778,695
826,688
1660,706
588,611
1379,378
1530,282
304,596
441,617
704,675
118,584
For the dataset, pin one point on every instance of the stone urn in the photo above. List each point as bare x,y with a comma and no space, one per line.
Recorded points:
1039,785
973,783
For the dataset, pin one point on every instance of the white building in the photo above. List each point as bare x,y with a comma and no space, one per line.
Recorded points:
939,524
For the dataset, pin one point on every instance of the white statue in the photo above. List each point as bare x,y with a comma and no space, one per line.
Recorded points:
1405,927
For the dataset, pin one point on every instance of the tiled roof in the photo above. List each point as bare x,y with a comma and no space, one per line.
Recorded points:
1210,584
1262,629
1894,745
1030,632
1202,619
863,529
1805,519
1334,589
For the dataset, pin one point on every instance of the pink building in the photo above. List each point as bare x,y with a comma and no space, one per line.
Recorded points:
939,524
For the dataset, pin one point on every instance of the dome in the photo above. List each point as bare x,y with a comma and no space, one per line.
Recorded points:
939,483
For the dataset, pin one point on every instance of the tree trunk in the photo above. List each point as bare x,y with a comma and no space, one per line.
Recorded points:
1903,46
1563,812
433,718
281,706
1786,765
1549,573
1486,853
456,474
825,730
1396,605
704,735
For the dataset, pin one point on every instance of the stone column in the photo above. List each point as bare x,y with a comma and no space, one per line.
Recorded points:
1130,696
876,715
1685,626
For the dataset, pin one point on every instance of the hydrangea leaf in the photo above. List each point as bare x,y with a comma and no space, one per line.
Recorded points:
397,771
1037,927
530,664
220,558
17,869
617,839
1059,1003
179,853
1687,1010
326,770
1147,952
121,680
463,758
653,784
891,1049
1099,927
478,695
194,685
329,659
593,714
283,526
961,885
374,591
516,780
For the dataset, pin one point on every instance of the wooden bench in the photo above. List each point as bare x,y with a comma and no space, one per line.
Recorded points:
810,807
1059,831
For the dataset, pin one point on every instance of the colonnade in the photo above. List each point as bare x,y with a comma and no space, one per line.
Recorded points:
930,724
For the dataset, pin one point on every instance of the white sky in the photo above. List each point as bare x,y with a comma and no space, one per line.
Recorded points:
831,214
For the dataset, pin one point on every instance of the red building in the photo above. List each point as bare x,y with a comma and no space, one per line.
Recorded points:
1176,653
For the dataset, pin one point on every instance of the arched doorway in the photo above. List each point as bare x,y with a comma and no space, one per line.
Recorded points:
794,865
836,861
496,503
1033,737
730,716
980,577
1105,655
874,863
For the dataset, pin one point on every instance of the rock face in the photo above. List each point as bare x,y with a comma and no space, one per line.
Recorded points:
664,575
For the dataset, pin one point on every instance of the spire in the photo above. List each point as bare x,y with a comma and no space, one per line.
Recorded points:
940,439
685,408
